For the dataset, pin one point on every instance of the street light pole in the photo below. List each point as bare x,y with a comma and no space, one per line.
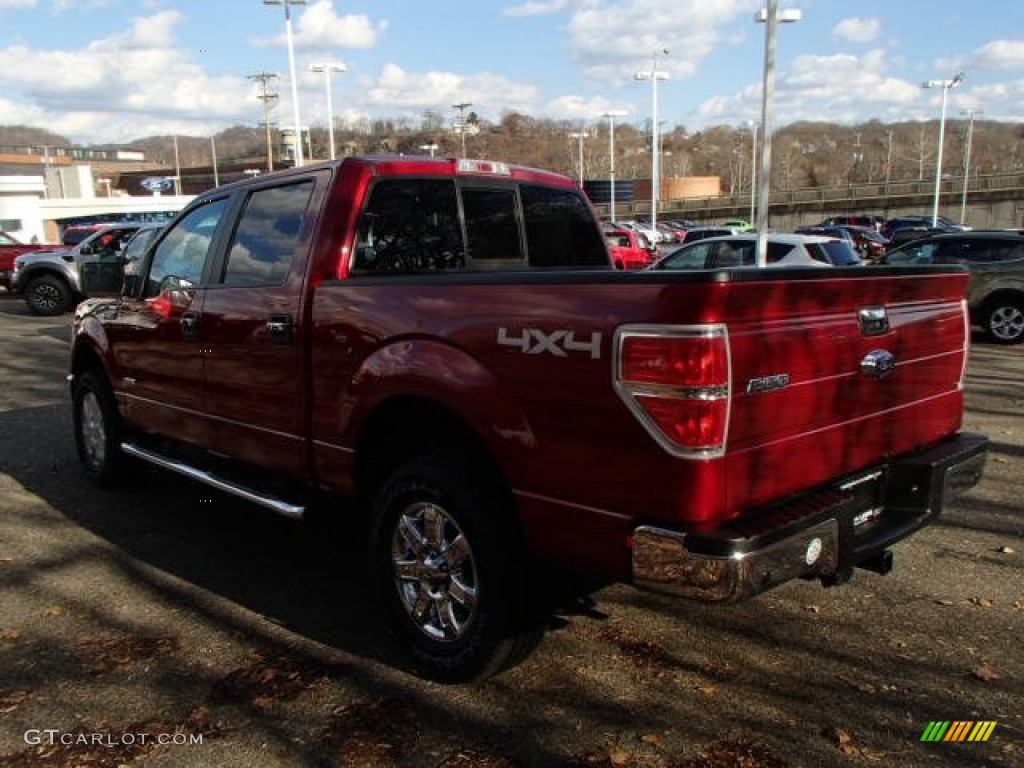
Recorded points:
654,75
462,122
581,135
213,153
327,69
971,113
770,17
611,114
291,68
753,169
946,86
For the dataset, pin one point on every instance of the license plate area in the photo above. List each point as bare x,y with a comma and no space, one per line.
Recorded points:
867,494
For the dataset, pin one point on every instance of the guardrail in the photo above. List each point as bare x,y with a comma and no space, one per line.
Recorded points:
862,196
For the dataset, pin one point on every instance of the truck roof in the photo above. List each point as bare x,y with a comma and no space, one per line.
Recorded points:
392,164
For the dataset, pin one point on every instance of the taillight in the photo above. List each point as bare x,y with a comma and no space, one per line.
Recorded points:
676,381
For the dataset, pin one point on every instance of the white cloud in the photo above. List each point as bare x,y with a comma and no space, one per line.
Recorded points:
17,4
834,88
397,90
319,27
1001,54
129,84
536,8
856,30
612,40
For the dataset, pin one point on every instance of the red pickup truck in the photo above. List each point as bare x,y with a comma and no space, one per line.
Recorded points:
10,248
446,340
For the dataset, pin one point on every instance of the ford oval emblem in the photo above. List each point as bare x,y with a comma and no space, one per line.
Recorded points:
878,363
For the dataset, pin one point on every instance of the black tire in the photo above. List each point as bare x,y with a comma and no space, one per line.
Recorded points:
48,295
97,425
1004,320
453,572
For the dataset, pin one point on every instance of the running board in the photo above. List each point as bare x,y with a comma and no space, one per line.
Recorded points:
293,511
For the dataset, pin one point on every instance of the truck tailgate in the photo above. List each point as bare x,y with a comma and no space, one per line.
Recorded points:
833,375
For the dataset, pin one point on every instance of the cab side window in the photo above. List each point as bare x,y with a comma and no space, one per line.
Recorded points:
410,225
263,247
179,258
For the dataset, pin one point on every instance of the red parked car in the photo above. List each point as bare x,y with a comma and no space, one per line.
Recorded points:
629,249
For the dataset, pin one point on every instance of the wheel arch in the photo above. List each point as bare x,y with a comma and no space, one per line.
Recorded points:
35,271
404,427
1007,294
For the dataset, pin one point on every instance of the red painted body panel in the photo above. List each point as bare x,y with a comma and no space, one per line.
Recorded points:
527,361
577,459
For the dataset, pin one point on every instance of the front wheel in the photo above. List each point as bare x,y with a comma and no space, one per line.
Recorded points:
453,572
48,295
97,428
1004,321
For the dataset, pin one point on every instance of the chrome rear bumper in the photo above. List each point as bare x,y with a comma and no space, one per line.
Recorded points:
816,536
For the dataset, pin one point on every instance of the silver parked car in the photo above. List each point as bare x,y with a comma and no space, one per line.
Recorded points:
784,250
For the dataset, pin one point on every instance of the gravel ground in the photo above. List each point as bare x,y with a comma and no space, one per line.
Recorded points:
136,624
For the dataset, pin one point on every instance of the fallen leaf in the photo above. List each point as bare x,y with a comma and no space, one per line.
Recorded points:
650,738
1004,550
617,757
707,689
845,741
812,608
53,610
985,673
10,634
943,602
984,602
9,700
1019,605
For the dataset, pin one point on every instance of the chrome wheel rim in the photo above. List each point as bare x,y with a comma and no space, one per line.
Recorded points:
94,433
435,572
1007,323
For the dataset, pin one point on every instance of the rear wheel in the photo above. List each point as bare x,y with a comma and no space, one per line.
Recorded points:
453,572
97,428
1004,321
48,295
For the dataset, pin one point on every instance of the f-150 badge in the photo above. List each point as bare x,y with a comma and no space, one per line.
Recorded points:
532,341
767,383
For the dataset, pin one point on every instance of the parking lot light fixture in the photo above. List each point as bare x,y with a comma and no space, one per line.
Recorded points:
327,69
971,114
654,75
946,86
291,68
611,114
771,17
580,135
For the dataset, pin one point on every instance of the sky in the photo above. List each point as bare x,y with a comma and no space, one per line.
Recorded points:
109,71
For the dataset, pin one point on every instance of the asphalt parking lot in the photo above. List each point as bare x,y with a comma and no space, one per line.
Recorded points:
163,625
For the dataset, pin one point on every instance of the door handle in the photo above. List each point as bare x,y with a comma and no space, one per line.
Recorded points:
190,324
280,329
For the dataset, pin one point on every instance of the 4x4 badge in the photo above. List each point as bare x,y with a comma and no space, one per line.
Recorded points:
878,363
